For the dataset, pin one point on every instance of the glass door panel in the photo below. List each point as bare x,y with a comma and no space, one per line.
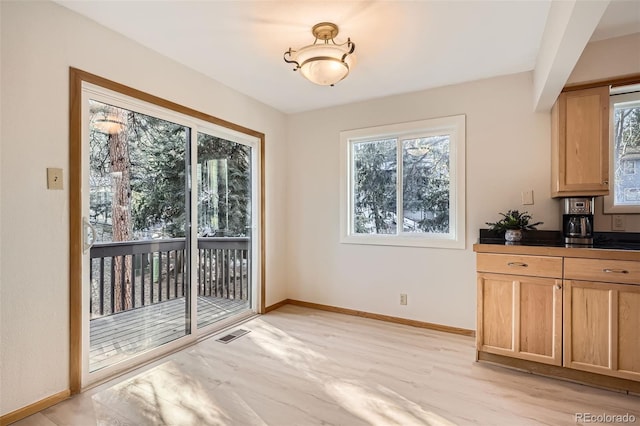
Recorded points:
138,209
224,212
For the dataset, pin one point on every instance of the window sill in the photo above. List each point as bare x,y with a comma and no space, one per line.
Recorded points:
394,240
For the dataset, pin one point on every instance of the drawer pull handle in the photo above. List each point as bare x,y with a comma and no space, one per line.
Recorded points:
519,264
559,286
615,271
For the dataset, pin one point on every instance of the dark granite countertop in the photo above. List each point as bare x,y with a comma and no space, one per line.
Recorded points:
601,240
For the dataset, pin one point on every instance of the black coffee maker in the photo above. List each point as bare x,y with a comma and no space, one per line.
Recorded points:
577,221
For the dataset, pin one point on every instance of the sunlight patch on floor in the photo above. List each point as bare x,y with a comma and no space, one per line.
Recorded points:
287,349
375,406
381,406
165,395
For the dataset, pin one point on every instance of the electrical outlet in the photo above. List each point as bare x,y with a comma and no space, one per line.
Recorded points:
403,299
618,222
54,178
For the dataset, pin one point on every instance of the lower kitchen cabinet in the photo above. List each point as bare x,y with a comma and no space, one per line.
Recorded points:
601,328
520,316
577,311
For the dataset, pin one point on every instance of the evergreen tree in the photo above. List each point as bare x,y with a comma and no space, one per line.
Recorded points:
375,168
149,178
225,199
426,183
113,123
626,120
425,186
158,185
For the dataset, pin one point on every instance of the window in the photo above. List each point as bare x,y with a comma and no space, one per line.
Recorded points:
403,184
624,151
629,167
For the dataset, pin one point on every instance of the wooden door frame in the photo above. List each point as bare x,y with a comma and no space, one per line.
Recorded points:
76,78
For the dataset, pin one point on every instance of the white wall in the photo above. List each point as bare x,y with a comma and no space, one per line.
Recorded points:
508,151
604,59
40,40
608,58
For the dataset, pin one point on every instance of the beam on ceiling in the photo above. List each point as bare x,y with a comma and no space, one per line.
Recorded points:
569,27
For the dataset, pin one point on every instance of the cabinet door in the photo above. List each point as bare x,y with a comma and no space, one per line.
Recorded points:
580,143
601,328
541,320
520,316
496,317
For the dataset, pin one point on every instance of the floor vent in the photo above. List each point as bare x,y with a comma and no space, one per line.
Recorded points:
232,336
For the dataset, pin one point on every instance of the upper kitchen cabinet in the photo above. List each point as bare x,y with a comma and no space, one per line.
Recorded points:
580,143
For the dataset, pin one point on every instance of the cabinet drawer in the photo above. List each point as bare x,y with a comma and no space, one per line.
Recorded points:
532,266
613,271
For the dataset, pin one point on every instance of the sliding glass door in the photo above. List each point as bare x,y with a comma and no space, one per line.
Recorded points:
169,221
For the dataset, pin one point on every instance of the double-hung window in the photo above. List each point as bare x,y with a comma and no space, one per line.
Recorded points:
624,151
403,184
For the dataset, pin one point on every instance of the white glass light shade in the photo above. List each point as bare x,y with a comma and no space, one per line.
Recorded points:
322,63
109,125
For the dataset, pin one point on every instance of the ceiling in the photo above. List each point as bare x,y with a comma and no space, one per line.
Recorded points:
401,46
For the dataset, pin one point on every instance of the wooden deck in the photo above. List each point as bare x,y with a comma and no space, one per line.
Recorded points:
116,337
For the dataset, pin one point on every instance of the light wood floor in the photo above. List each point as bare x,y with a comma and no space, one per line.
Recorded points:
301,366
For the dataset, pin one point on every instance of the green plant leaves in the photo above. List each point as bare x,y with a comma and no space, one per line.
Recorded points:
513,219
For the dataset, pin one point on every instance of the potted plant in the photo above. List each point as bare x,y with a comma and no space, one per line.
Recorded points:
512,224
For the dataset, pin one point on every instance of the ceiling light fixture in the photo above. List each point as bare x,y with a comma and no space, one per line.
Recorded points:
109,125
324,63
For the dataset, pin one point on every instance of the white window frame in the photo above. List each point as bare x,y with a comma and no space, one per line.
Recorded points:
455,128
609,200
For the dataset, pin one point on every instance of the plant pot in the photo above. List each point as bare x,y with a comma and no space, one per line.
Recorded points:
513,235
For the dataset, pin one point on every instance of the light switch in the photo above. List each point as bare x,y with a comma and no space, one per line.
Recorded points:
527,197
54,178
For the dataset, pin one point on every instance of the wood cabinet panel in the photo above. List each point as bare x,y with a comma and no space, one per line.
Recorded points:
615,271
583,138
540,312
520,316
589,337
629,331
539,266
601,323
496,294
580,143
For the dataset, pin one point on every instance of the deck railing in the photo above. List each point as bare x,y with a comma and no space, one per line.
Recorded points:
223,267
129,275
